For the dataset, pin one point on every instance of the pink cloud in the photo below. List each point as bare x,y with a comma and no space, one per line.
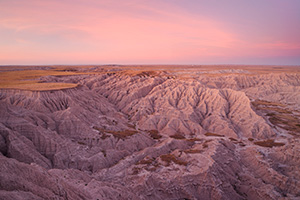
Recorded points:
120,31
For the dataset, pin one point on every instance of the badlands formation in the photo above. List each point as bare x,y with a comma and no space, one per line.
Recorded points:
150,132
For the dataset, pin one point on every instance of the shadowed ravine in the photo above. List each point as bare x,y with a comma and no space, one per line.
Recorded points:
129,133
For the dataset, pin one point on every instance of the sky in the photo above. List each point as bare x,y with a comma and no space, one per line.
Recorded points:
46,32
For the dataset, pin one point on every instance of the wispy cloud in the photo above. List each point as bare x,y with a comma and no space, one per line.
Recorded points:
123,31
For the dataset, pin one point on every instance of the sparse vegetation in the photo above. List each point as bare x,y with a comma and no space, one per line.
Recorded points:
269,143
205,144
147,74
169,158
97,128
192,151
287,122
149,164
117,134
81,143
129,125
194,139
260,103
242,144
271,114
279,115
177,136
104,136
104,152
233,139
213,134
154,134
135,170
145,161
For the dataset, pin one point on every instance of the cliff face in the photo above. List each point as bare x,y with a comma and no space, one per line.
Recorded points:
153,135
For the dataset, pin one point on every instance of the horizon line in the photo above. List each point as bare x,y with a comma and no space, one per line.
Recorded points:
113,64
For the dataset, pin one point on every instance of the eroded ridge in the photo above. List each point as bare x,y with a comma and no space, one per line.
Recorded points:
136,133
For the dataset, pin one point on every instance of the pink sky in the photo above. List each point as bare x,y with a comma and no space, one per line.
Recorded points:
149,32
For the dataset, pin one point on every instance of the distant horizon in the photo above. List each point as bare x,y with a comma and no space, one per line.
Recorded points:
281,63
260,32
107,64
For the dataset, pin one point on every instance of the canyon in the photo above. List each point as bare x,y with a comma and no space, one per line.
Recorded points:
150,132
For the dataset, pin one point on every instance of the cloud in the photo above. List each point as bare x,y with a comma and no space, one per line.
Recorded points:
123,31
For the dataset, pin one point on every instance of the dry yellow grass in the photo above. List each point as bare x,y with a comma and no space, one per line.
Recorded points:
145,161
269,143
36,86
287,122
139,73
193,151
183,71
178,136
28,80
24,78
213,134
260,103
279,115
194,139
169,158
154,134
